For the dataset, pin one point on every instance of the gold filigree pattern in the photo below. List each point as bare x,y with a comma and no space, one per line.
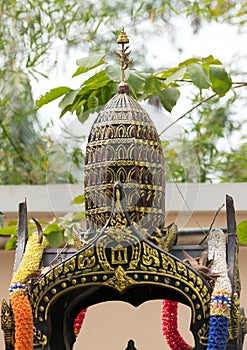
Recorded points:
203,334
124,146
120,280
7,324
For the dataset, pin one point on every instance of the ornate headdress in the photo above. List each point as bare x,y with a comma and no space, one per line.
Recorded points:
126,252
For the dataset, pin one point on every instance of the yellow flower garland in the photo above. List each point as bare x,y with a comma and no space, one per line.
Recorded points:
31,259
18,296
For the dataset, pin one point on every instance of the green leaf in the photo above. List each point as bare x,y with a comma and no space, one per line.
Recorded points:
189,61
95,82
8,231
152,85
68,99
87,63
78,216
11,243
81,115
106,92
136,82
52,228
164,74
92,102
221,81
52,95
198,75
242,232
169,97
177,74
114,73
78,199
211,60
55,239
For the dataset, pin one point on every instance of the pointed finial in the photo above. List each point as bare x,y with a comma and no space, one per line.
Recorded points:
122,38
124,56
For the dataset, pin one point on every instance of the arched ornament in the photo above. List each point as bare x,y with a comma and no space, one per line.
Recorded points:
119,264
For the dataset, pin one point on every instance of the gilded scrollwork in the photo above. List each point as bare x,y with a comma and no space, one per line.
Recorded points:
8,325
150,257
235,320
70,265
120,280
168,264
203,333
117,247
86,259
182,270
40,339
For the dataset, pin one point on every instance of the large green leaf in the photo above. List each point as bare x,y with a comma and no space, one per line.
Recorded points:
87,63
106,92
68,99
136,82
169,97
242,232
52,228
152,85
221,82
54,235
95,82
55,239
92,101
52,95
114,73
198,75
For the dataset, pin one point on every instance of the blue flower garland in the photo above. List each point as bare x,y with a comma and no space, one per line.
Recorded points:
221,295
219,313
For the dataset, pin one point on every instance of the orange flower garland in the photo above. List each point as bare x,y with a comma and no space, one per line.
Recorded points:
23,320
20,303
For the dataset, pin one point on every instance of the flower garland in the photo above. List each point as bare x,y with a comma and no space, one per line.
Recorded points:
170,326
220,301
20,303
79,321
221,296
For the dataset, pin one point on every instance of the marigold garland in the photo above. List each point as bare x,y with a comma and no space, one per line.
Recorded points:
23,320
170,326
79,321
18,295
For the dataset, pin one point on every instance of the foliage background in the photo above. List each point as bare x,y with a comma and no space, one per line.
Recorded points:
34,36
39,40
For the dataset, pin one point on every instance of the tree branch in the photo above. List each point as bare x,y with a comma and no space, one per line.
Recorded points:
237,85
189,111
